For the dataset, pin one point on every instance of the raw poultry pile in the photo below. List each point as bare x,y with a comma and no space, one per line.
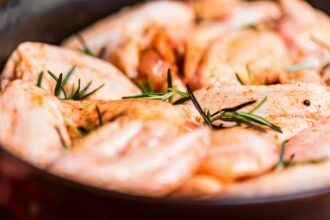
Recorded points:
204,98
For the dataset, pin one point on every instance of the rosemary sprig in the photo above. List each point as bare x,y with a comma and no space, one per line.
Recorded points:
249,74
69,74
146,88
78,93
99,115
306,65
320,42
281,162
85,49
90,125
250,26
83,131
204,113
233,115
159,95
239,79
57,83
164,96
258,105
58,86
169,83
40,78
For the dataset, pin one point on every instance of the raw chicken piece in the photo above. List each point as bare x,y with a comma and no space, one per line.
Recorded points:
293,180
308,76
292,107
32,126
312,144
214,9
79,114
306,31
239,153
262,52
132,23
153,171
30,59
235,153
200,186
200,37
144,41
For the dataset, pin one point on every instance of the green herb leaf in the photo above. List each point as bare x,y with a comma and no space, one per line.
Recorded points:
233,115
76,93
259,120
99,115
238,107
239,79
164,96
198,107
258,105
169,83
306,65
180,101
280,163
40,78
169,80
68,75
57,80
85,49
250,26
58,85
250,75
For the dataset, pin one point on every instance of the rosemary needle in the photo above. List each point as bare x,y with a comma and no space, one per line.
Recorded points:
280,163
77,93
233,115
40,78
239,79
99,115
85,49
164,96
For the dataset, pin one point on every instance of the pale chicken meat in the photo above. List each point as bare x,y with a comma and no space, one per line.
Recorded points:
30,59
143,41
32,125
292,107
213,9
306,36
307,76
257,57
235,153
239,153
240,17
152,171
200,186
312,144
79,113
132,22
295,179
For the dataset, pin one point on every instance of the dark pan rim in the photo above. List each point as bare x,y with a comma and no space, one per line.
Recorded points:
235,201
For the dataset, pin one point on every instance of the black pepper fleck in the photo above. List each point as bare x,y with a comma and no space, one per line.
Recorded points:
307,102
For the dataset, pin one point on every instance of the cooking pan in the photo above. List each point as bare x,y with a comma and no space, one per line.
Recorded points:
27,192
